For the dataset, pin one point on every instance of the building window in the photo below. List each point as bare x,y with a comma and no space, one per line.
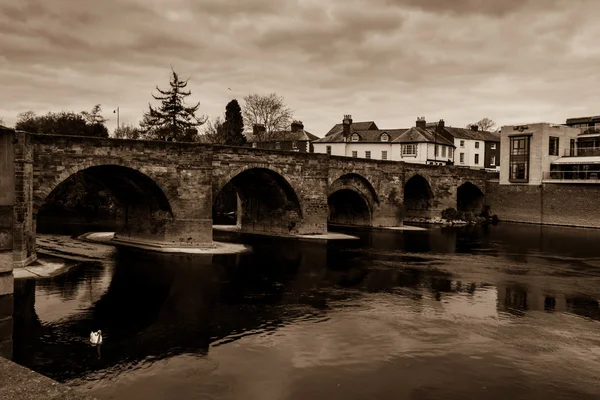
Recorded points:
450,152
553,147
476,145
409,150
462,143
437,150
493,161
294,145
384,154
443,151
367,154
254,145
519,159
277,145
493,146
355,138
385,137
476,159
355,154
462,158
328,150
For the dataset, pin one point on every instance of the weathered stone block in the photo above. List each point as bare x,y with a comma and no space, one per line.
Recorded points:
7,283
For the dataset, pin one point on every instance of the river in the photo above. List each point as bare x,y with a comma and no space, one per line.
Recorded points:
499,312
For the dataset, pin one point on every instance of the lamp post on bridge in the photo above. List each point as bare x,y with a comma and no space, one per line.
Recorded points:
117,112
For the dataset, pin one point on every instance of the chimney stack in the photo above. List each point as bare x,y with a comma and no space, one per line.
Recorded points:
257,129
297,126
347,123
440,126
474,128
421,123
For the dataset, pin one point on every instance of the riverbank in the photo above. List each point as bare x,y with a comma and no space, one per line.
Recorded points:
18,382
323,237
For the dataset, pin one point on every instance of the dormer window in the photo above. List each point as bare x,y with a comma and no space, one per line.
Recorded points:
385,137
355,138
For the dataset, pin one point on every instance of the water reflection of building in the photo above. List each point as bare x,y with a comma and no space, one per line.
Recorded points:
516,298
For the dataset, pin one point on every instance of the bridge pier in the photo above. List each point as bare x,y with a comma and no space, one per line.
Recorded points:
390,211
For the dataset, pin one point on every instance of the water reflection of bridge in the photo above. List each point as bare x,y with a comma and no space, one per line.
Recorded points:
159,306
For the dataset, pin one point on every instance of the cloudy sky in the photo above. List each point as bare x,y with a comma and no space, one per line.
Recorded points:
384,60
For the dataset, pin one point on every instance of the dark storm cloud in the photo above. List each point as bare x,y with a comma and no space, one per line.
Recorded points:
388,60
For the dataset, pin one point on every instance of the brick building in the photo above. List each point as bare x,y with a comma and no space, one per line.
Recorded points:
296,139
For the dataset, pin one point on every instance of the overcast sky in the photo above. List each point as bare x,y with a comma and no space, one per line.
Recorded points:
384,60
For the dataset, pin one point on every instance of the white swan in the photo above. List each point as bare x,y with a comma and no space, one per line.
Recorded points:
96,337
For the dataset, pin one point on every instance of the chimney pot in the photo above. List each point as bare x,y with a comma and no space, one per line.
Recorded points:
474,128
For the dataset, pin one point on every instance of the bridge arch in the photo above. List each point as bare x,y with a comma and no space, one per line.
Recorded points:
43,187
469,198
140,207
352,200
260,198
418,197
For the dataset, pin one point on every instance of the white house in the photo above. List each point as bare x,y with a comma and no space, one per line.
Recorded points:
364,140
474,148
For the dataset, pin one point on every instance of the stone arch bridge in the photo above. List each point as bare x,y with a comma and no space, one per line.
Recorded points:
169,189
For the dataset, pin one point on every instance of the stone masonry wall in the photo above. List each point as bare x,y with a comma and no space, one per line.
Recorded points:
385,179
182,171
7,197
306,173
190,175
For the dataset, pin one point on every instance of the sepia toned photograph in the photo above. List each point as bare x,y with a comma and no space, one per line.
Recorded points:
299,199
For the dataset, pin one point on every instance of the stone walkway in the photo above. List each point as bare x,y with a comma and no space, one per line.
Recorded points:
20,383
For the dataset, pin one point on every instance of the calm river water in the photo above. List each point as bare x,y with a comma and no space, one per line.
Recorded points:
505,312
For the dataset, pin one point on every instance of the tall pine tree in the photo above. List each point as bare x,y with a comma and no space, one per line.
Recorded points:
172,120
233,126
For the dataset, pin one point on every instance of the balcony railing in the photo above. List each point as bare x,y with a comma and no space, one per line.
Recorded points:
590,130
572,175
583,152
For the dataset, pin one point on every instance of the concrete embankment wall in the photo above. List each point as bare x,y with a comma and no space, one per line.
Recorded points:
568,204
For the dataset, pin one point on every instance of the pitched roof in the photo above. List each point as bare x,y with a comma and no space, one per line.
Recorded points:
359,126
420,135
469,134
366,136
284,136
412,135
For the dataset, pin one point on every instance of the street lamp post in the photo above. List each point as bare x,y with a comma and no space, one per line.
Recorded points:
117,112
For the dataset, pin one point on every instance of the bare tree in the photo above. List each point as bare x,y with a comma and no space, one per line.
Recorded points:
484,124
212,132
128,132
270,111
1,121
